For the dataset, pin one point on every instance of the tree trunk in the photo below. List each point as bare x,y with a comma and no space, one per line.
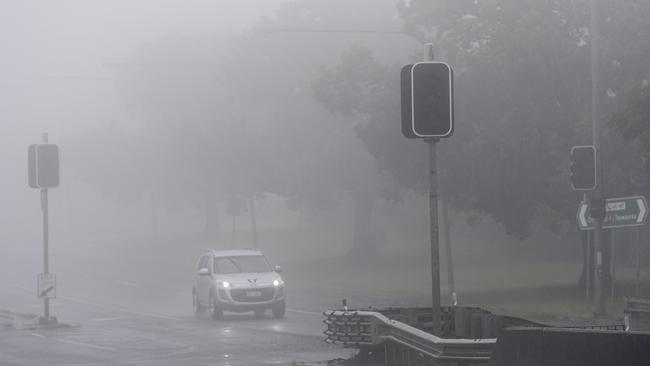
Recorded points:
363,235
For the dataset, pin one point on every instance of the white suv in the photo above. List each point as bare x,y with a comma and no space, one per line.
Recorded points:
238,281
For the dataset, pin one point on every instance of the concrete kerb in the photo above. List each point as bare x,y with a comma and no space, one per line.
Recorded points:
23,321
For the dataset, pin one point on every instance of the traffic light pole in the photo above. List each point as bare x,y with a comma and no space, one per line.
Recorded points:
46,254
599,309
436,318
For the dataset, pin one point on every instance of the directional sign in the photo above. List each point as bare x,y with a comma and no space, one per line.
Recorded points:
619,212
46,286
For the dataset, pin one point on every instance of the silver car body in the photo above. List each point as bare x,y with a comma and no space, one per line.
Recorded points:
245,291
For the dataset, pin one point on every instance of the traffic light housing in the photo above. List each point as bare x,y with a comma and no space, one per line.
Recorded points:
583,168
43,166
432,100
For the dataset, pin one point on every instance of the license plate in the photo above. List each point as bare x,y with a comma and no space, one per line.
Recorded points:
253,293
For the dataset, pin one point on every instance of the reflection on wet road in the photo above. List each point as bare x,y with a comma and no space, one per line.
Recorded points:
133,332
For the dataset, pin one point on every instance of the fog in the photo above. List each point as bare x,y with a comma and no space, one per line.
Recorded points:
186,125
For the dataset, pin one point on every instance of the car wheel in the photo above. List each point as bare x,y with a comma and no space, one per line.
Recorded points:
216,313
278,310
196,306
259,313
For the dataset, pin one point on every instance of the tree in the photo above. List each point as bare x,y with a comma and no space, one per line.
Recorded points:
232,116
522,100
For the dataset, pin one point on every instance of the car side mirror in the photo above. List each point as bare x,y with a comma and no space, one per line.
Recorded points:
277,269
204,271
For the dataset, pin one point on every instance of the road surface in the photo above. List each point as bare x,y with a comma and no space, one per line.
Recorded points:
131,323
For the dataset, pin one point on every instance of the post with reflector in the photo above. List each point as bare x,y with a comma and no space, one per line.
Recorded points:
43,173
46,231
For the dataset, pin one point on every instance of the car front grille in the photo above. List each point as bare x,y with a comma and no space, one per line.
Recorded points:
249,295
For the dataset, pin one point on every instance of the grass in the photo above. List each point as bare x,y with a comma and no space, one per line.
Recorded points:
315,261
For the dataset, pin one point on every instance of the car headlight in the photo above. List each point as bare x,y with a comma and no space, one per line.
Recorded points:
225,284
278,282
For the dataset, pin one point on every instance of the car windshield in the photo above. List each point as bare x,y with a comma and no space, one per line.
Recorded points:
243,264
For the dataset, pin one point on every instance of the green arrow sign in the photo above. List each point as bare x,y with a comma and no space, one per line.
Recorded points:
619,212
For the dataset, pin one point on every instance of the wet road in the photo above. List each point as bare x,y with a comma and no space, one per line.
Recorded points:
128,323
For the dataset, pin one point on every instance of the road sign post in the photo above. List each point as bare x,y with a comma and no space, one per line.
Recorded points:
597,214
46,286
43,173
619,212
609,213
433,212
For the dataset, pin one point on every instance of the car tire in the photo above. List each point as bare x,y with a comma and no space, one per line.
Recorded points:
196,305
216,313
259,313
278,310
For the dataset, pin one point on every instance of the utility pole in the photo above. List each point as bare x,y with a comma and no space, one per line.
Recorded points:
433,218
599,309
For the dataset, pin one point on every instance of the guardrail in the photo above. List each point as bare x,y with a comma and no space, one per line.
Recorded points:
637,313
404,344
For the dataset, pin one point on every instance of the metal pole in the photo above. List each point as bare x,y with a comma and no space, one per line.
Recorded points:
451,288
588,264
638,262
599,298
598,227
46,230
588,270
612,264
433,217
595,127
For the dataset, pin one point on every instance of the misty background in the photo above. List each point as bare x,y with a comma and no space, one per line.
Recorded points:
167,112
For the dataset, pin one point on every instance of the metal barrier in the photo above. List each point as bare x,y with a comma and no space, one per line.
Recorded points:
403,344
637,313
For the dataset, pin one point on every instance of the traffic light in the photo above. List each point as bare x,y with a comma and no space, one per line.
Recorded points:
432,97
43,166
583,168
407,102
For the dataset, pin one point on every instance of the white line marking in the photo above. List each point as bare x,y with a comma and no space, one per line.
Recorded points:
304,312
41,305
87,345
106,319
107,307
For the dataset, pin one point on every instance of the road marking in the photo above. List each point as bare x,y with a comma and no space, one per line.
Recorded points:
41,305
87,345
106,319
107,307
304,312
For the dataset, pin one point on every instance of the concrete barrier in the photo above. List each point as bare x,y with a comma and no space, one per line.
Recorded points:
570,347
